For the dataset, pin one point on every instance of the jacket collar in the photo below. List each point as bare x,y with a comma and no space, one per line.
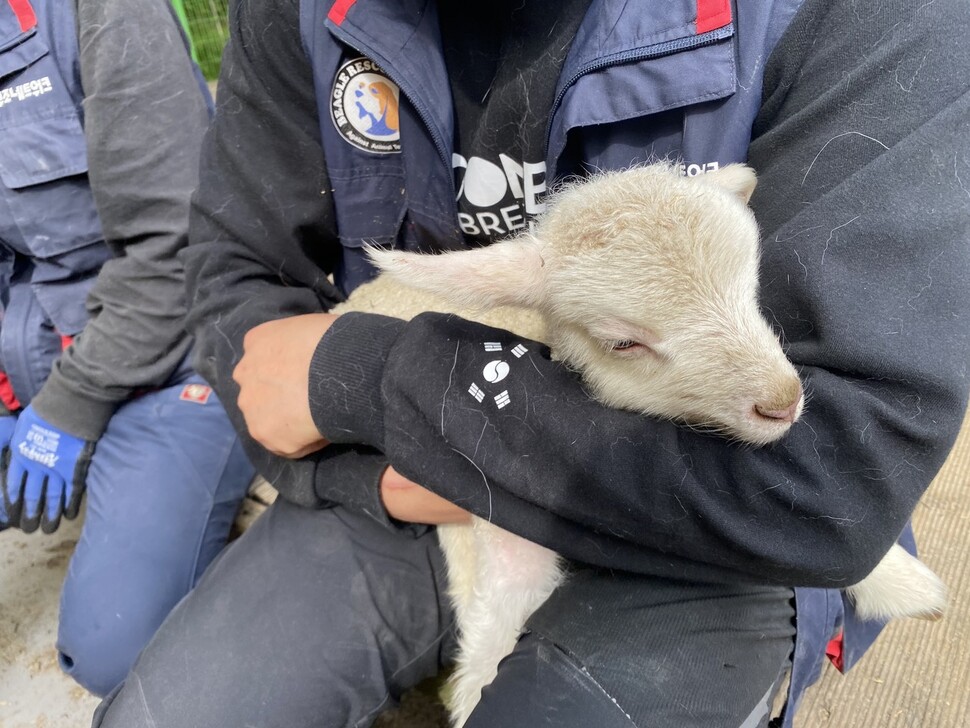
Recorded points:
403,37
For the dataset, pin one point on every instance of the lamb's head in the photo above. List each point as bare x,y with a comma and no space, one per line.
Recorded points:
649,283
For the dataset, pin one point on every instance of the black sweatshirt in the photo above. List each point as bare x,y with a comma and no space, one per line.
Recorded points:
861,147
142,165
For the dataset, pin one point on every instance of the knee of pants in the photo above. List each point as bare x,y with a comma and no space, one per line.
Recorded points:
98,659
540,684
107,615
346,613
668,653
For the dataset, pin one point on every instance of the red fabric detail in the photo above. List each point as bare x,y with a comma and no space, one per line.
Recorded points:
7,396
24,12
712,14
197,393
834,652
66,341
338,11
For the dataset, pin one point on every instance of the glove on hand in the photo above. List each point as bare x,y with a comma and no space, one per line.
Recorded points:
47,474
7,424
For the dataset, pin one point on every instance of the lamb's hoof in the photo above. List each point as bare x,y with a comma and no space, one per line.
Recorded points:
931,615
899,586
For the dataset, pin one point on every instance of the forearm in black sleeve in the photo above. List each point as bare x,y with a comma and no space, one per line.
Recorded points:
261,236
144,120
864,269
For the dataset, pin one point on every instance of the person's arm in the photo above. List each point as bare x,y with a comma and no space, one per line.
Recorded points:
262,239
862,148
144,120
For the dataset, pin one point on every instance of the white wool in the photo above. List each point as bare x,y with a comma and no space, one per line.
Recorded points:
643,256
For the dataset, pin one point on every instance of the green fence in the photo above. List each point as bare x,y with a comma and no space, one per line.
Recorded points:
205,21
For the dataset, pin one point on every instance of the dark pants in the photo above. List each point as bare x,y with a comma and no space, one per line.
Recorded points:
323,618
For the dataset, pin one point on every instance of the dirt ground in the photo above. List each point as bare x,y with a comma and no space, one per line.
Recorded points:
33,691
917,676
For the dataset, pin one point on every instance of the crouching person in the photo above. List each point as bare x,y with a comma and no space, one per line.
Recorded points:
102,114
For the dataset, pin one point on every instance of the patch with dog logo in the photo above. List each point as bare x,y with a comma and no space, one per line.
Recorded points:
364,106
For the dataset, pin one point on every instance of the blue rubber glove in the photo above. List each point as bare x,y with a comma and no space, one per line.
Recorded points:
7,424
47,474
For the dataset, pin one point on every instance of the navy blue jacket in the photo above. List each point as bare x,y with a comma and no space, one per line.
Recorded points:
47,211
93,202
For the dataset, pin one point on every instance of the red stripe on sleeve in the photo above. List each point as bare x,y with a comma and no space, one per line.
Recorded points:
338,11
7,396
24,12
712,14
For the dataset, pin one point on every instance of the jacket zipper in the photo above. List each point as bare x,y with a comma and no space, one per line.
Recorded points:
640,54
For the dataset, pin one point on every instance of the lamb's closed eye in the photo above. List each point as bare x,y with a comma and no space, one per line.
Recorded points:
622,337
625,345
629,348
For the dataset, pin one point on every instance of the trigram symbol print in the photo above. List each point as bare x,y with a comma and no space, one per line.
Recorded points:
476,392
493,346
518,351
502,399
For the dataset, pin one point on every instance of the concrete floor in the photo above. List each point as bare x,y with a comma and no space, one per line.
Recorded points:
917,676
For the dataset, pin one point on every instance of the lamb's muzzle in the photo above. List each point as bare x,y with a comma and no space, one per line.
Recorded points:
785,407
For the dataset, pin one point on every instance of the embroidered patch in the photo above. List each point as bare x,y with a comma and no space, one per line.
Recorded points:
494,372
198,393
364,107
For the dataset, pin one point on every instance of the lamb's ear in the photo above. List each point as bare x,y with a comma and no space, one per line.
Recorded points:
509,273
737,178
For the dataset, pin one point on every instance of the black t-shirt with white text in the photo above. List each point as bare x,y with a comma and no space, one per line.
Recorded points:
503,83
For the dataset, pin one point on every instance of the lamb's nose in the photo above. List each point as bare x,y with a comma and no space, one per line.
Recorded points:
786,413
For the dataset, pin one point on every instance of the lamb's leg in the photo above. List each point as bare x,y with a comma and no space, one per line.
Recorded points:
513,578
900,586
460,547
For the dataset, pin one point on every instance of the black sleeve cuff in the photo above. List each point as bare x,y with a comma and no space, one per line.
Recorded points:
345,378
351,475
69,410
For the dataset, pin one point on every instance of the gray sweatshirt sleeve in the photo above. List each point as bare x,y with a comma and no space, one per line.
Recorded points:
144,120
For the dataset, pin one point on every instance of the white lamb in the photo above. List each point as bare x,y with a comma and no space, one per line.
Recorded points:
646,282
